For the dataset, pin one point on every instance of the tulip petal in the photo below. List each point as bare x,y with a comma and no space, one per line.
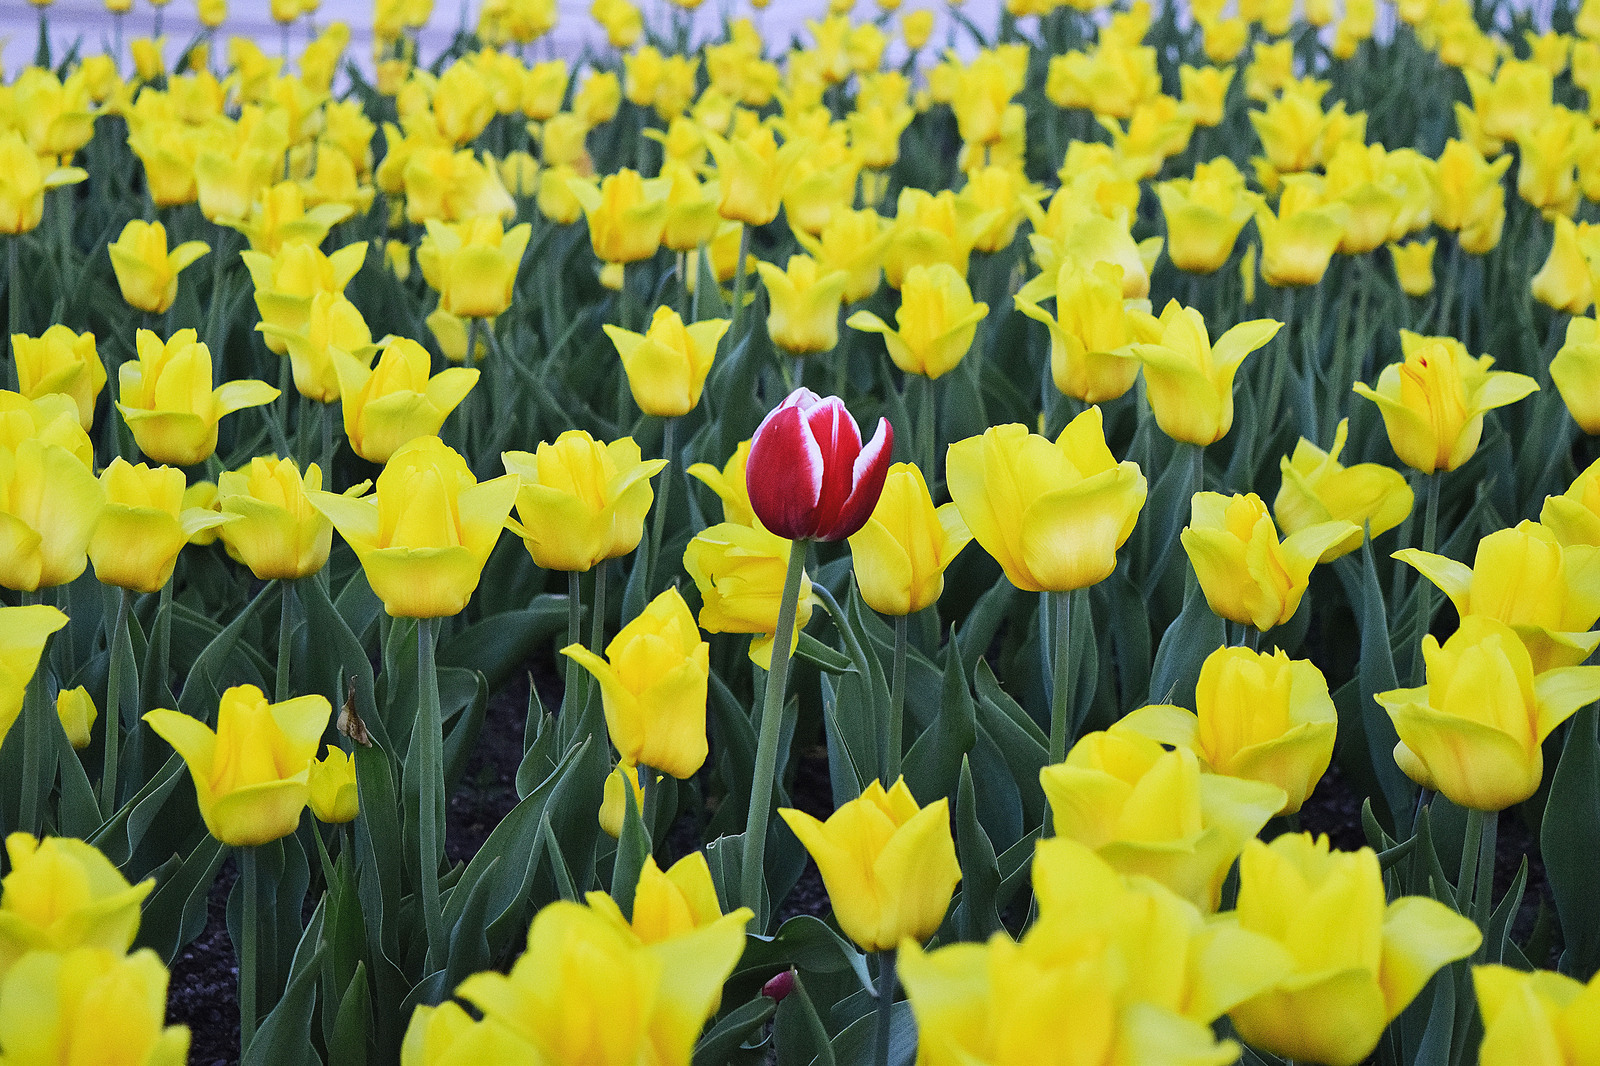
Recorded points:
1473,764
1453,578
1070,537
1559,693
1420,935
784,474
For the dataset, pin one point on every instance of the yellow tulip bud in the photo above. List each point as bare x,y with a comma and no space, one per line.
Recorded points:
667,365
1574,516
804,305
396,401
1433,403
287,281
1262,717
1534,1017
729,485
1413,265
472,265
278,533
90,1005
332,783
146,272
1151,812
1318,488
1246,574
900,555
627,215
854,242
77,712
143,526
916,27
1051,514
1576,373
60,361
1205,91
889,866
1298,242
250,776
614,801
1205,215
938,320
666,904
752,173
63,894
581,502
24,183
653,687
739,571
1189,382
169,404
425,533
1092,321
1357,961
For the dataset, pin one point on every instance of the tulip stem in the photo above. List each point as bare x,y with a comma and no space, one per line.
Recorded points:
34,724
1430,539
163,633
285,641
247,949
658,521
1060,683
886,987
430,797
14,299
752,880
120,645
597,621
1475,882
738,283
897,702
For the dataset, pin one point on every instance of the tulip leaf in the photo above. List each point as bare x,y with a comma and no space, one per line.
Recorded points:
724,856
933,765
1498,933
379,849
121,834
1021,743
976,916
983,621
1569,840
1433,1049
175,912
855,1046
1376,673
499,645
1191,637
798,1033
847,777
733,739
337,659
820,655
284,1038
347,1046
633,847
732,1031
79,812
469,944
202,689
806,943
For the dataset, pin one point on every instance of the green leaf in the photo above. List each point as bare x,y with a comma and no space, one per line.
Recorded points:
175,912
806,943
976,915
798,1032
933,765
1376,673
499,645
284,1038
1569,840
348,1045
856,1045
733,1030
1192,636
633,847
820,655
209,675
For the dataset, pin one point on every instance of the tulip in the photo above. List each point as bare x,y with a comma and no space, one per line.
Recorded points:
251,775
447,1035
396,401
60,361
51,419
667,365
984,89
614,801
1433,403
63,894
1205,215
809,475
332,322
933,228
1092,321
1413,265
889,866
581,502
752,173
146,272
730,485
588,991
22,641
1205,90
1298,242
1246,574
143,526
279,217
424,535
900,555
1563,282
1261,717
1052,515
653,684
1576,373
279,533
626,215
666,904
854,242
24,184
1469,197
1151,812
1541,1017
49,505
1190,382
332,788
287,281
938,320
804,312
90,1005
1358,962
472,264
1318,488
77,712
169,404
1574,516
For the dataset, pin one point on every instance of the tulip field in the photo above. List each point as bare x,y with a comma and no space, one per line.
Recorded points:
956,526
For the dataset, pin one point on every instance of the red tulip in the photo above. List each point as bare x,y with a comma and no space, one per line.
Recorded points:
808,475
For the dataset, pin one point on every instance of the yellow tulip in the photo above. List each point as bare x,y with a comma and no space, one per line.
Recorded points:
1524,577
1574,516
627,215
1149,811
804,314
581,502
396,401
77,712
889,866
587,990
239,160
692,218
278,533
60,361
49,505
1298,242
1357,960
332,788
752,173
169,404
1318,488
143,526
447,1035
666,904
1473,732
1576,373
1188,381
900,555
279,218
1434,401
1548,152
668,364
1516,99
1563,282
25,182
332,322
51,419
739,571
23,635
473,264
653,683
984,88
729,485
614,801
1469,196
1246,574
90,1005
1092,321
916,27
1539,1017
938,320
424,535
63,894
1051,514
146,272
1262,717
1205,215
287,282
251,775
1413,265
854,242
933,228
1205,91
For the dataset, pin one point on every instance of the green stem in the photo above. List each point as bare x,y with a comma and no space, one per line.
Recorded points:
14,293
1483,890
1466,879
597,622
120,645
247,948
163,633
886,986
430,798
752,887
897,702
658,521
738,285
1060,682
34,723
285,642
1430,538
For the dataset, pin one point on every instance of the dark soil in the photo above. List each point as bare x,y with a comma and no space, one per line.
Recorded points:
202,992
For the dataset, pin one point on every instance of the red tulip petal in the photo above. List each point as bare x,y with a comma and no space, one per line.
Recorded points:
868,472
840,442
784,474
